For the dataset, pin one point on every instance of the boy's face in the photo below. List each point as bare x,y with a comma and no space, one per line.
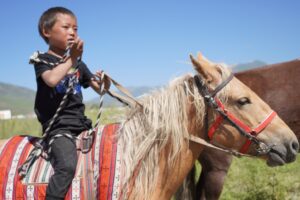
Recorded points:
63,31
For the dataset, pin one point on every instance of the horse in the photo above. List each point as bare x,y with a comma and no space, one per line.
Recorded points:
275,84
159,141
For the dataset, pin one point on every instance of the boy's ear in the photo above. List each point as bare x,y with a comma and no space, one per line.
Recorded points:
46,33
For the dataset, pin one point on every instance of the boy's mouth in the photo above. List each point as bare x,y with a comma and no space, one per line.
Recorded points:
70,41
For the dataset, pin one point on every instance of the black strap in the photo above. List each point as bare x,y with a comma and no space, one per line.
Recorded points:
222,85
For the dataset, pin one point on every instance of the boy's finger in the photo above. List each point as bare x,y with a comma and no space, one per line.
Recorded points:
80,45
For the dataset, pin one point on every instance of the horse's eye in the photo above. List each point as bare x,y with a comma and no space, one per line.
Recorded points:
244,101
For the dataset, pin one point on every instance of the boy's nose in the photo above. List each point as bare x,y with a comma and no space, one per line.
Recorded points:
71,31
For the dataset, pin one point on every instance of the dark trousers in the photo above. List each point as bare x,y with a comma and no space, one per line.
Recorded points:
64,160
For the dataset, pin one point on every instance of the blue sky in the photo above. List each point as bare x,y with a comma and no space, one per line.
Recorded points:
148,42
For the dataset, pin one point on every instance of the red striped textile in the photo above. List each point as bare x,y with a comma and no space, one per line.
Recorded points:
96,177
107,159
13,154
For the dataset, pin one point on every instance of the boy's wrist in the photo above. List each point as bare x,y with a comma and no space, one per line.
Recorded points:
73,62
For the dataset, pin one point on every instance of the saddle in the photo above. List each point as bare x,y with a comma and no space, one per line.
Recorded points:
96,176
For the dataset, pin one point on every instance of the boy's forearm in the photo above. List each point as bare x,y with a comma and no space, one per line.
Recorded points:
95,86
54,76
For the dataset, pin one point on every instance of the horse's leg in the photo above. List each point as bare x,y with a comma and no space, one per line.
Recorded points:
215,165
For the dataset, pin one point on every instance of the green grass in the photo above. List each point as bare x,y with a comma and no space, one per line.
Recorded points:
248,179
252,179
13,127
109,115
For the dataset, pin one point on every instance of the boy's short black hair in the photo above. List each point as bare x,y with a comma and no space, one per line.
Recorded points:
48,19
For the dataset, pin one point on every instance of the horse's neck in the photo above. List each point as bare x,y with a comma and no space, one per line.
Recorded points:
165,126
170,178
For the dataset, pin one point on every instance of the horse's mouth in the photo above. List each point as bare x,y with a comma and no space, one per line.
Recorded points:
275,158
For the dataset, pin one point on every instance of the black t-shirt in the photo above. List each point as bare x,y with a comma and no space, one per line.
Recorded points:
71,118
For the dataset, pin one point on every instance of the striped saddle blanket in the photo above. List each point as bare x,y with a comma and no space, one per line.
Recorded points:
97,175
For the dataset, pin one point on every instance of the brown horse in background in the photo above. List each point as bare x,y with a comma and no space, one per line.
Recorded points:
277,84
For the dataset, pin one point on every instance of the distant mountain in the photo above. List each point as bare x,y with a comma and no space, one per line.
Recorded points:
19,100
249,65
138,91
109,101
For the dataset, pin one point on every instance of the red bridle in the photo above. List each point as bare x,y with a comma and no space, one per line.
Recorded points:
241,124
214,103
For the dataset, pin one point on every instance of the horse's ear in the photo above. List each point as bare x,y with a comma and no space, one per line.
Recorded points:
202,58
201,66
199,56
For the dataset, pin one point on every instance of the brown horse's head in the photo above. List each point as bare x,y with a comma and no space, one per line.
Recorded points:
238,119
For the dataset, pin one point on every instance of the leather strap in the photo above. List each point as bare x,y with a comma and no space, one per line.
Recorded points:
127,98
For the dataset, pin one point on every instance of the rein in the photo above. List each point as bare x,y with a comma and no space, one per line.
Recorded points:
211,101
39,148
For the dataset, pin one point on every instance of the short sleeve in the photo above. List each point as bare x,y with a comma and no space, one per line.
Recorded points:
86,75
40,68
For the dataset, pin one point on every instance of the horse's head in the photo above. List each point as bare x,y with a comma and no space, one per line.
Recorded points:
238,119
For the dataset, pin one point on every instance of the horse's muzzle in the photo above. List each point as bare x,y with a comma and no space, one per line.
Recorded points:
282,154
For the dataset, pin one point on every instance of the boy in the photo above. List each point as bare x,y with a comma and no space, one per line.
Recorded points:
58,27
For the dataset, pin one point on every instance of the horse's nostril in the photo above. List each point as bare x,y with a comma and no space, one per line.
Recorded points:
295,146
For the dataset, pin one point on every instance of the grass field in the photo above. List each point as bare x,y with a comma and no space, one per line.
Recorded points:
252,179
248,179
13,127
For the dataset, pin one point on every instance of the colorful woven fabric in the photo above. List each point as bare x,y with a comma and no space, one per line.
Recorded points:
41,171
95,178
14,153
107,163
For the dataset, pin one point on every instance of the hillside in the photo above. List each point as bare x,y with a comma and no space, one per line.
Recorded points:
249,65
139,91
18,99
109,101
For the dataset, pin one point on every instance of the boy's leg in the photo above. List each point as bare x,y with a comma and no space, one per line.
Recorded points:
65,161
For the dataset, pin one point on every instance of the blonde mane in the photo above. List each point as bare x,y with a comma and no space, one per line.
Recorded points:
163,120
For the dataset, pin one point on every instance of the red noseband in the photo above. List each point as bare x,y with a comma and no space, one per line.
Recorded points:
254,132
